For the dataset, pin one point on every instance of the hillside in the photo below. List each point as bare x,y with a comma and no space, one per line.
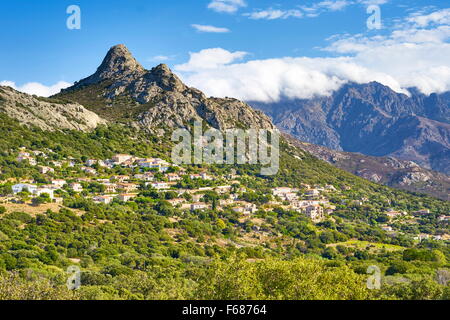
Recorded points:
151,246
46,114
400,174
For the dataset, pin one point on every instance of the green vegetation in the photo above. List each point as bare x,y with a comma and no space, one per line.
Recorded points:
147,248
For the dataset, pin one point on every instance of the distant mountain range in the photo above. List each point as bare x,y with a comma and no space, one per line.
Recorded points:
373,120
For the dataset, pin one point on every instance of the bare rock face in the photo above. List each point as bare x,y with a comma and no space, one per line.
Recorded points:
44,114
162,99
414,177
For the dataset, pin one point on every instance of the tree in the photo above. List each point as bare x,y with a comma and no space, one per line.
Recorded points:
43,198
397,267
221,224
5,190
329,253
300,279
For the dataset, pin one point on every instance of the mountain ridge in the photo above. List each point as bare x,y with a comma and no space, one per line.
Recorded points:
399,174
47,114
374,120
156,97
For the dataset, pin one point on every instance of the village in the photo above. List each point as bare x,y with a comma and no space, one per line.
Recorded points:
161,176
124,187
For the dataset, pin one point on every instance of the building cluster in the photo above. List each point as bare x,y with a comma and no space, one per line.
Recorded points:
154,174
312,202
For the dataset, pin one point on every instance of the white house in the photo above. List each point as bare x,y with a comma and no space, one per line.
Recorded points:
121,158
315,213
45,170
91,162
122,178
148,176
89,170
155,163
173,177
223,189
77,187
205,176
159,185
126,197
29,159
48,191
59,183
312,193
246,209
199,206
128,187
177,201
57,164
103,199
23,187
281,191
110,187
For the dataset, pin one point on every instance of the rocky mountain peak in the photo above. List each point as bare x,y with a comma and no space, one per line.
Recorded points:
122,89
165,78
118,63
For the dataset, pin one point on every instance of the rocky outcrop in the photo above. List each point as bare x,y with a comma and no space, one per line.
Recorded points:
46,114
118,64
157,97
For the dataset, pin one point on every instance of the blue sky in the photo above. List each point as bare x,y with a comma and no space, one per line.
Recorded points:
38,47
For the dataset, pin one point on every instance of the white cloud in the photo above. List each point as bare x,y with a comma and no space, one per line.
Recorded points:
410,56
206,28
227,6
438,17
160,58
275,79
303,11
37,88
333,5
373,2
271,14
413,55
210,59
325,6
